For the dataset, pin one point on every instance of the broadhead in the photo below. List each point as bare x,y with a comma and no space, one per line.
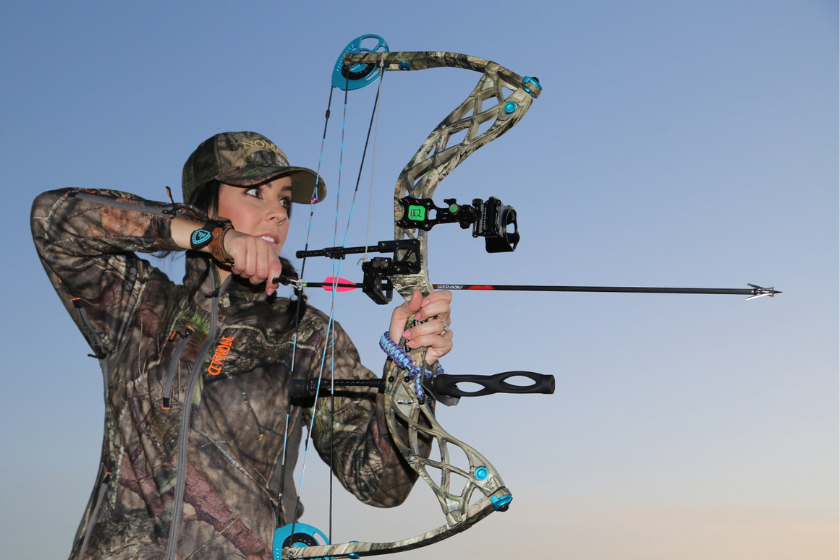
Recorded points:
758,291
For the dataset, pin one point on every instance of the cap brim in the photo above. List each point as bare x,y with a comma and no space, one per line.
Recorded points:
303,180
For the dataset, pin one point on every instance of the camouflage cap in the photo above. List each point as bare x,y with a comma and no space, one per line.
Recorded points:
245,159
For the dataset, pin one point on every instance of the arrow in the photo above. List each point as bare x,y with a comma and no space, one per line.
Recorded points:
343,285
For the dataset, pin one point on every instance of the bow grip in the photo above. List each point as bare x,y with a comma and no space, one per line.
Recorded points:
445,384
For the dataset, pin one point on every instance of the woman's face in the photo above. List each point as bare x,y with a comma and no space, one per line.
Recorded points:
261,211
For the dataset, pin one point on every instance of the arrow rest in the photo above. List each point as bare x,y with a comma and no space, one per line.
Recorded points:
377,272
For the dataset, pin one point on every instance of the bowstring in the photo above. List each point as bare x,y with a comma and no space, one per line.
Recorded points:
331,334
373,157
300,299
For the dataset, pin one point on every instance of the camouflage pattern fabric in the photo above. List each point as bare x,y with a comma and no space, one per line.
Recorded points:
245,159
169,355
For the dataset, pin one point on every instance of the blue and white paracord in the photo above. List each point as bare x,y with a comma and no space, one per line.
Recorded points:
404,361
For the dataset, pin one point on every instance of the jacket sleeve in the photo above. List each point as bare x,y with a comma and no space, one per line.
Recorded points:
364,458
87,242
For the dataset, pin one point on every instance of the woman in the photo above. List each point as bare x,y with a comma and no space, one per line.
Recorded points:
196,375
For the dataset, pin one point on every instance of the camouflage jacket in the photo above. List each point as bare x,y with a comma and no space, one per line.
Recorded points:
196,390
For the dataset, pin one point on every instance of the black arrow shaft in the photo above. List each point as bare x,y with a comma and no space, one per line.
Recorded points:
602,289
597,289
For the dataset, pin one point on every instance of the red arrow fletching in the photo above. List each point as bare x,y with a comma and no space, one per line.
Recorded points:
341,284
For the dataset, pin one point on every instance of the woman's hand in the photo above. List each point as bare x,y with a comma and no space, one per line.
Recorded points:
435,334
254,258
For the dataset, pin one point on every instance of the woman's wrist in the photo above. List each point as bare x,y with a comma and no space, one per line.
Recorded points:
211,236
208,237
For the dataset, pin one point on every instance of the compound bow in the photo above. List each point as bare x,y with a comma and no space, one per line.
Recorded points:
499,101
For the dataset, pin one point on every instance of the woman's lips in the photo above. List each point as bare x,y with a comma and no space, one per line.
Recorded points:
271,238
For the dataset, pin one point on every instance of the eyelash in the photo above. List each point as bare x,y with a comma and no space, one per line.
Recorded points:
287,202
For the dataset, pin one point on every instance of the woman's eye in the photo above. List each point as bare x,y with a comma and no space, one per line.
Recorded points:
286,202
253,192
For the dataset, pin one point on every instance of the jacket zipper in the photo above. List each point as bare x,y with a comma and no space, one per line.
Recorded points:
87,329
103,488
184,431
173,364
96,343
99,354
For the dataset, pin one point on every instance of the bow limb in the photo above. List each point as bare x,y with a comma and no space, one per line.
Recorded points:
344,550
413,427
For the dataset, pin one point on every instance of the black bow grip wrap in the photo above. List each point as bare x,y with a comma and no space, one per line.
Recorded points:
445,384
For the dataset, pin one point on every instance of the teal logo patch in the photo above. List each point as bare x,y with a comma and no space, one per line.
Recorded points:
200,236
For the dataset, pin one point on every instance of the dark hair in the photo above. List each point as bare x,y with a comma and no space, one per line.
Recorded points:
206,197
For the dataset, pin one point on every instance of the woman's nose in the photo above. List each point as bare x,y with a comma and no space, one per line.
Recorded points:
277,212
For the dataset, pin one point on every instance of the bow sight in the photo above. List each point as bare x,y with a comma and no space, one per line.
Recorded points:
492,220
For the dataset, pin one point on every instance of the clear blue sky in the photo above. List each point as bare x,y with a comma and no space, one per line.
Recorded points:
676,144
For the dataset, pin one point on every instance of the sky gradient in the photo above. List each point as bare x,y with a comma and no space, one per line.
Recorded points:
675,144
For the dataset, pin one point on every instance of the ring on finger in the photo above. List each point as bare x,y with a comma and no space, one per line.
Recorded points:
445,329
